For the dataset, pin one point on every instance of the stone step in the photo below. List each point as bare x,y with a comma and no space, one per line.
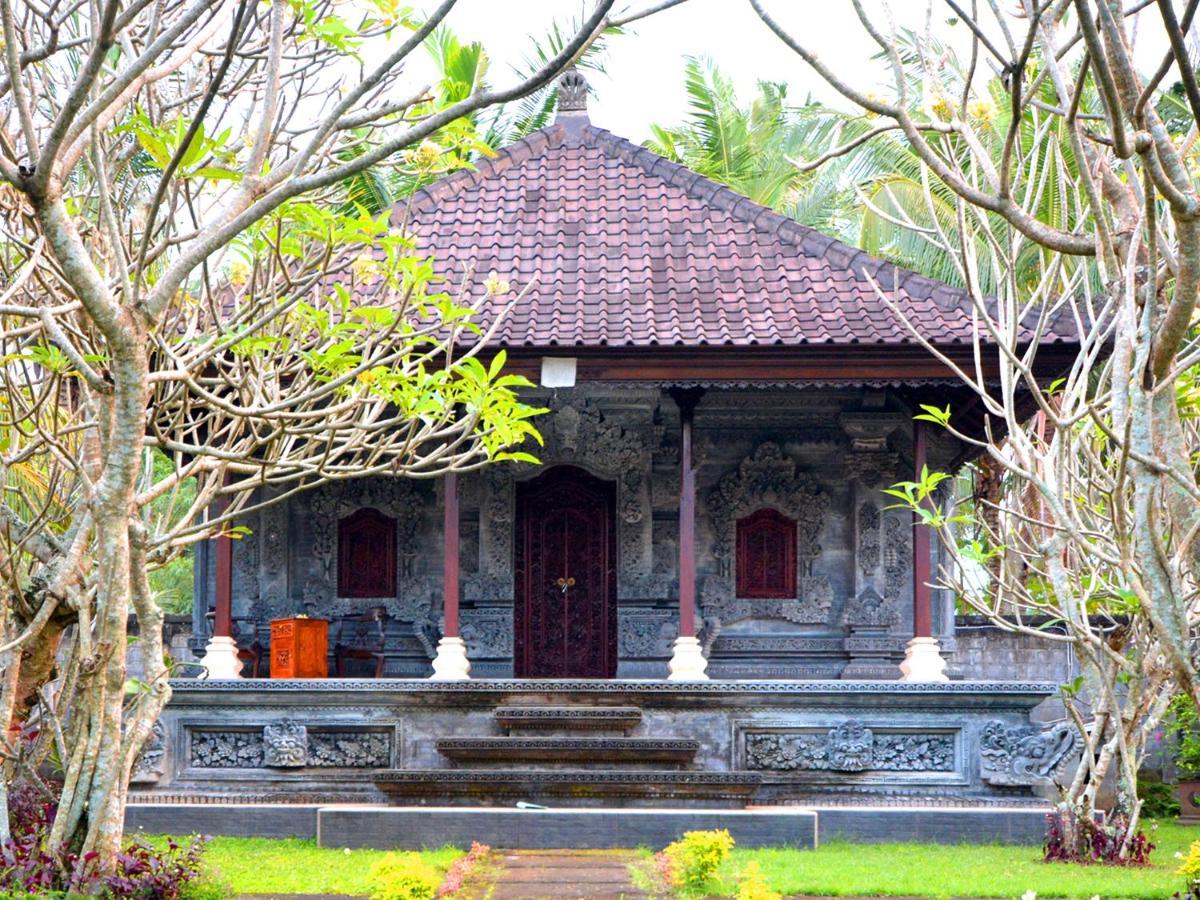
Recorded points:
617,718
580,786
580,750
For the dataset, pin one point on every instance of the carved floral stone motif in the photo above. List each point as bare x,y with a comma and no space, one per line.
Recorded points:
644,634
488,633
850,747
1025,755
868,537
897,557
870,610
767,478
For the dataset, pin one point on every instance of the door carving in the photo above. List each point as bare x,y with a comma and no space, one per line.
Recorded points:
565,568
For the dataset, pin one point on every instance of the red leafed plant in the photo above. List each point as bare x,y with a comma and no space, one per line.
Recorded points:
1080,839
143,872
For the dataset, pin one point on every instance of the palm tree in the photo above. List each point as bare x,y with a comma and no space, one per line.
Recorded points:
875,196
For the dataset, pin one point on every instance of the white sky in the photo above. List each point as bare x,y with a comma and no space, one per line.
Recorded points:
644,83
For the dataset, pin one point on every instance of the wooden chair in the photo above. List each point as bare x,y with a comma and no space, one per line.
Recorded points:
366,643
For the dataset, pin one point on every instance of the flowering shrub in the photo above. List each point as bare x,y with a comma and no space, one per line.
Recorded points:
457,874
1190,870
1071,837
690,862
26,866
753,884
404,876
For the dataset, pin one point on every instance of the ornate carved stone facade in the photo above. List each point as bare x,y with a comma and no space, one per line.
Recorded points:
287,743
1025,755
796,451
850,747
766,478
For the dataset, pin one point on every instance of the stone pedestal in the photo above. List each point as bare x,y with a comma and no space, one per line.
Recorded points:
687,661
923,661
451,663
221,659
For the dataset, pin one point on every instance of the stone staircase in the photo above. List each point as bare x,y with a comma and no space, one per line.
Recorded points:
568,755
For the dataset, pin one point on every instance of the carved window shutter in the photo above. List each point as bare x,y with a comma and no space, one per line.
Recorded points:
367,555
766,556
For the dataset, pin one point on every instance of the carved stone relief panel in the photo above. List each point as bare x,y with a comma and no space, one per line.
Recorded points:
897,556
273,559
767,478
645,633
488,633
286,743
246,567
149,765
851,747
1025,755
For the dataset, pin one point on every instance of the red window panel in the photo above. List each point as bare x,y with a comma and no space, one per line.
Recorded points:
367,555
766,555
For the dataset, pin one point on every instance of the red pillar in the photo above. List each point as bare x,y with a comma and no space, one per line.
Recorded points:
922,593
686,400
223,613
450,566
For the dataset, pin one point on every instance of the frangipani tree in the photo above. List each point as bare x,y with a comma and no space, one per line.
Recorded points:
1092,512
185,276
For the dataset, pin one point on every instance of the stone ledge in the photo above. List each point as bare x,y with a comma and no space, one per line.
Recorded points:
569,750
590,829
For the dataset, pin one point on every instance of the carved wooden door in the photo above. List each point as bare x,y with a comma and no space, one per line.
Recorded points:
565,576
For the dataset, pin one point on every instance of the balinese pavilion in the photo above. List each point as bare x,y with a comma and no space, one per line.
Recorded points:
700,608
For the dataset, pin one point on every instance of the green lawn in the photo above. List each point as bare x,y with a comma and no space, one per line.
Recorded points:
294,866
959,871
264,865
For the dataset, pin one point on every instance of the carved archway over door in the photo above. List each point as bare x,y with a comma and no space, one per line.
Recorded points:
565,614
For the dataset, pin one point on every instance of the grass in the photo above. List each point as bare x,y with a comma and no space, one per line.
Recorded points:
925,870
266,865
294,866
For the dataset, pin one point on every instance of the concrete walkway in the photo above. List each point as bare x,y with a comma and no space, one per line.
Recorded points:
533,874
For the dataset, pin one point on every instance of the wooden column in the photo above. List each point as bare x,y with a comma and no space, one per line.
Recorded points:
686,400
922,593
223,611
450,558
221,652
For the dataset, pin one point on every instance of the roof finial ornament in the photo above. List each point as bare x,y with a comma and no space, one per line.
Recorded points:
572,92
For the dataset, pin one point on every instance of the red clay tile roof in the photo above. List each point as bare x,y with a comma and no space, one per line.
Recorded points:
626,248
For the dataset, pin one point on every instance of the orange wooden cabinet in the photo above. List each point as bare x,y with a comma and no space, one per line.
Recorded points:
299,648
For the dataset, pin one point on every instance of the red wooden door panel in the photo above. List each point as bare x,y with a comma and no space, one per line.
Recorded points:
565,567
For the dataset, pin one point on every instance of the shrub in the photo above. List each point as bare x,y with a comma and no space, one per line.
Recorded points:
142,872
1071,837
1182,723
690,862
753,884
1190,869
404,876
1158,800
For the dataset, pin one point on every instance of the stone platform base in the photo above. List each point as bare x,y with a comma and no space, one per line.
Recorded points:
387,827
